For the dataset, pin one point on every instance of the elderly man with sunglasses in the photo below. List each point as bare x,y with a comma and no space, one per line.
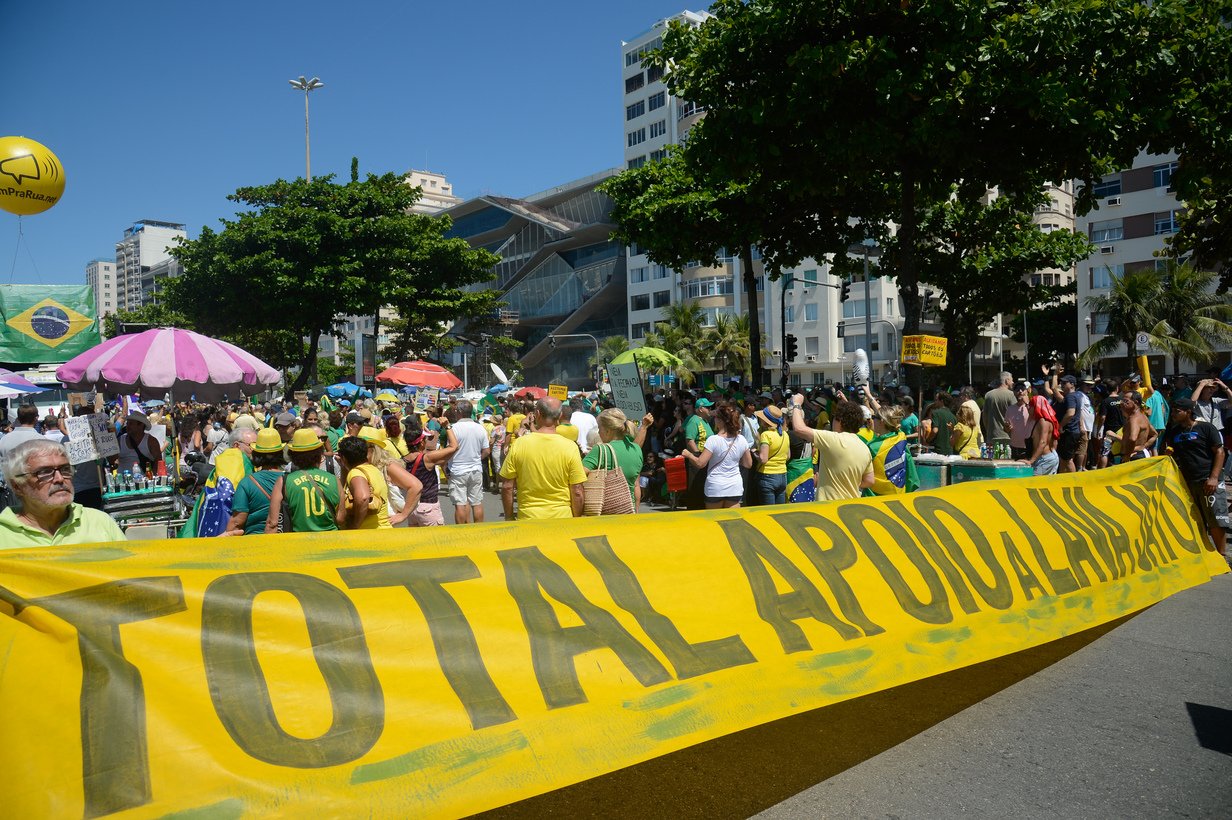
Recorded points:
41,478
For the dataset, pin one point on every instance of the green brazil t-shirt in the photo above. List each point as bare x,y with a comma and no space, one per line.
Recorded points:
696,429
312,497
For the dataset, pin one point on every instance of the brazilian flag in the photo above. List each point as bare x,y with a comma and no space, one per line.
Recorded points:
46,323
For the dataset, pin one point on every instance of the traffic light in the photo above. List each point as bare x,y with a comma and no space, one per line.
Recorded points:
791,347
846,293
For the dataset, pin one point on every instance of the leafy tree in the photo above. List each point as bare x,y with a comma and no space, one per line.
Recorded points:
680,217
306,253
1051,333
147,316
831,120
981,255
330,373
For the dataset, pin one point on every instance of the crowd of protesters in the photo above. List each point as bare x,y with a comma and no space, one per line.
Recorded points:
368,464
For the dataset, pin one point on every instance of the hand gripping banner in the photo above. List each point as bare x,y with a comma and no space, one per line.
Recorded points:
443,671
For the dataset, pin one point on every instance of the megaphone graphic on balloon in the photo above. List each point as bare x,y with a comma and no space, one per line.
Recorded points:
20,168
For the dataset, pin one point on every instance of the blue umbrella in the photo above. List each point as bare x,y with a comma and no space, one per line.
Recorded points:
498,388
348,389
410,389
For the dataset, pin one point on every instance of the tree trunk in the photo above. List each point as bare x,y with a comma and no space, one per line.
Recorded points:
314,343
907,277
750,295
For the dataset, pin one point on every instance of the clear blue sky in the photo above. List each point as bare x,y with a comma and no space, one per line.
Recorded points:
159,110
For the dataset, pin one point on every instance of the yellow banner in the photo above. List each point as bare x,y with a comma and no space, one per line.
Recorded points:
924,350
443,671
558,391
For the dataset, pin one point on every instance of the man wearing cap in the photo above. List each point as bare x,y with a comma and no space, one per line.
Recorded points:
696,431
1197,448
466,466
138,450
1070,422
284,423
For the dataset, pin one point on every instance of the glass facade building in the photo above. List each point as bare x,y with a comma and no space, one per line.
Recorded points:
559,273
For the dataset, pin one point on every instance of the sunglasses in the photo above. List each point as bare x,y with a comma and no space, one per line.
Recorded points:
47,473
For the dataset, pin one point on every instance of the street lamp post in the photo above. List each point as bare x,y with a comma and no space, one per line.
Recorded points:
552,337
306,85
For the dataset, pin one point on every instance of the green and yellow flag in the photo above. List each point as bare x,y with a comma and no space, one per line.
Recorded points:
46,323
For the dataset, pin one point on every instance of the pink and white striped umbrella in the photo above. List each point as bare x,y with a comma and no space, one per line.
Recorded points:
166,360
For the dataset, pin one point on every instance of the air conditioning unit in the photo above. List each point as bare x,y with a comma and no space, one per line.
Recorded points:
1113,200
812,357
776,353
1106,249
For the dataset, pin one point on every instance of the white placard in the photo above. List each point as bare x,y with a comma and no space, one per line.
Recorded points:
104,435
81,447
627,389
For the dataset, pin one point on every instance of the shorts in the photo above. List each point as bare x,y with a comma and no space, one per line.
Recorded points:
1084,443
1068,445
1212,509
717,499
466,488
428,515
1046,464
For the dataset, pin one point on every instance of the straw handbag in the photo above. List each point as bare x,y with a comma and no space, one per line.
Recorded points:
607,491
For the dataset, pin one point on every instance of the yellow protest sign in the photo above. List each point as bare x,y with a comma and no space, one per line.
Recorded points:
443,671
558,391
924,350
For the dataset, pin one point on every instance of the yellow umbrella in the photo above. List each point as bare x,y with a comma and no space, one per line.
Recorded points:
387,395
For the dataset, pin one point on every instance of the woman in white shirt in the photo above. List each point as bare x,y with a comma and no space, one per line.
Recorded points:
723,456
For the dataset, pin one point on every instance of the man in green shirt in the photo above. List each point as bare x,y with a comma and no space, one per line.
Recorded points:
41,478
696,431
943,420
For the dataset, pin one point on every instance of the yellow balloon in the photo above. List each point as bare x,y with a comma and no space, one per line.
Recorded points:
31,176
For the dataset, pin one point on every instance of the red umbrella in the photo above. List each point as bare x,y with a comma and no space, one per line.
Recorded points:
530,393
419,374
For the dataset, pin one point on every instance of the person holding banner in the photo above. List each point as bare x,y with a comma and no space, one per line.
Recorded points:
41,479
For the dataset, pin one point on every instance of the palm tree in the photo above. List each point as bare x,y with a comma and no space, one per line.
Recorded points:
609,349
728,343
1198,316
1141,301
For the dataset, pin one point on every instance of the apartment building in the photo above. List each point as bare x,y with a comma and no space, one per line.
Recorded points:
101,277
1136,213
146,243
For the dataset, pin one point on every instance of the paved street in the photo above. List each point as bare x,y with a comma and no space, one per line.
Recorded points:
1129,720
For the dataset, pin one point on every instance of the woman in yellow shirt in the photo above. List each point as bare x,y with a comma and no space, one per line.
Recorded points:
773,450
366,506
966,436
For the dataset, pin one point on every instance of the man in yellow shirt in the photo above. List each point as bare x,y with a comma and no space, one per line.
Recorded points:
545,468
845,464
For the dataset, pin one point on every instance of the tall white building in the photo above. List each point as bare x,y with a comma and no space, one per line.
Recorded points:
101,277
145,245
1137,212
654,119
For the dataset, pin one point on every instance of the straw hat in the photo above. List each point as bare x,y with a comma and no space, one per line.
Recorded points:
305,440
268,441
771,415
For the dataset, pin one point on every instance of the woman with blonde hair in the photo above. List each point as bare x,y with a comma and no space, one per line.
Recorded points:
966,437
617,439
